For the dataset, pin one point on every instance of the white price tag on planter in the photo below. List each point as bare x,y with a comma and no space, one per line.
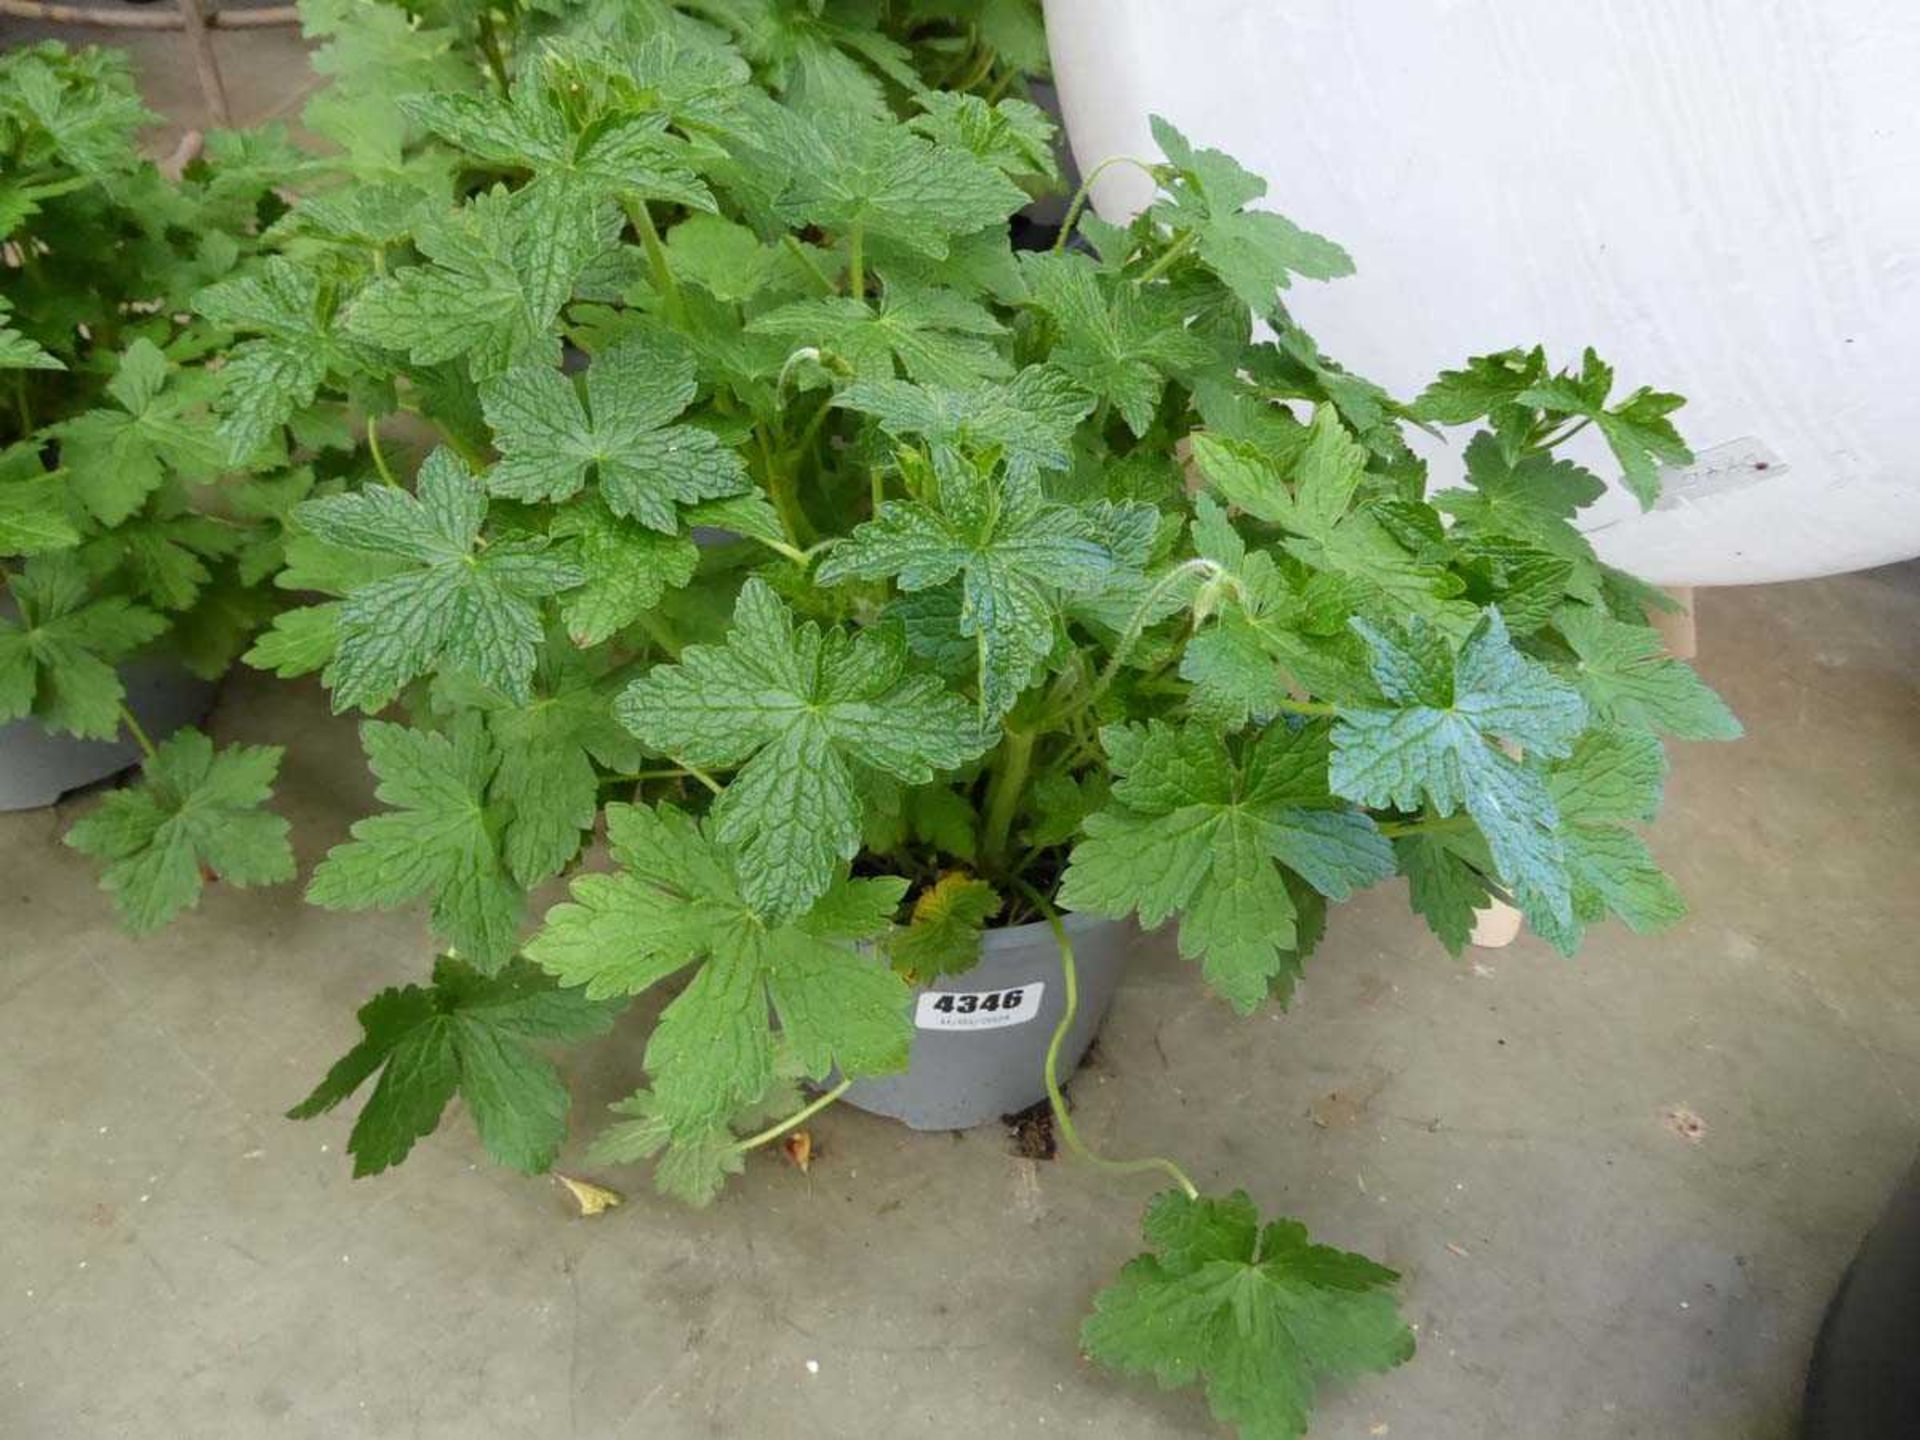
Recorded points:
979,1009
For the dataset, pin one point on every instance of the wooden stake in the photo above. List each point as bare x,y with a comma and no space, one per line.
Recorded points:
193,20
58,14
1677,628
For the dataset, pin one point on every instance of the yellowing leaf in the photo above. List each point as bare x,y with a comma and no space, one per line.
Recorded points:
591,1198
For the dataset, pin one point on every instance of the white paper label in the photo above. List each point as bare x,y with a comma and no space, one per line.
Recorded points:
979,1009
1731,466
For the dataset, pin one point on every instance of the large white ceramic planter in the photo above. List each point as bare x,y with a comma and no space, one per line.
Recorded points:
1723,196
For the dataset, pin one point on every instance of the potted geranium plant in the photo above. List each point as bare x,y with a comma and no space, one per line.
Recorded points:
135,544
876,590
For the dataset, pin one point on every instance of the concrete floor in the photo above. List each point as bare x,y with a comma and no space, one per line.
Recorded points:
182,1262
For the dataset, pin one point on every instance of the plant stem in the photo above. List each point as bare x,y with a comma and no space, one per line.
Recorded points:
1574,429
660,632
1085,192
134,729
813,267
1010,768
1062,1120
784,490
856,264
982,68
1172,253
663,281
490,48
799,1117
379,460
697,773
1306,707
635,777
1143,616
1432,825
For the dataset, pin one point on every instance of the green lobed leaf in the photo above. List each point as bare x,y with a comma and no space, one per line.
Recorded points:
1443,886
57,658
116,457
679,898
1030,420
1627,677
1446,739
268,379
796,709
439,839
36,515
1257,1315
646,466
1612,778
549,749
457,604
884,183
1014,136
499,274
1483,386
935,336
1194,828
1254,252
1012,552
1637,429
468,1034
1117,342
1318,500
942,937
194,813
628,567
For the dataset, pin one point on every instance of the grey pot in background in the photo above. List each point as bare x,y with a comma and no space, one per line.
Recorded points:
38,766
980,1039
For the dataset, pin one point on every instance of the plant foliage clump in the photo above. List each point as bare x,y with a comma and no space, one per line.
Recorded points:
661,435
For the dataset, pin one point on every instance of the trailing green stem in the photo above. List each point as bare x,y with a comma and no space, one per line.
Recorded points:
1062,1119
135,729
799,1117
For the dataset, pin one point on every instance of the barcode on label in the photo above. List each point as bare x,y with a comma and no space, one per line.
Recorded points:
979,1009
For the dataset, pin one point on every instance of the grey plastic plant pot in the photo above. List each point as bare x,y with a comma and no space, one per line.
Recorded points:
980,1039
38,766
